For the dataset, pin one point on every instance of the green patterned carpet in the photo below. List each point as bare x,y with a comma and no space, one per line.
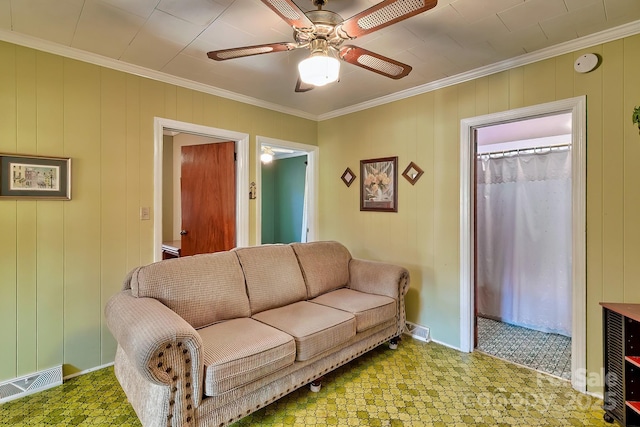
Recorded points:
417,385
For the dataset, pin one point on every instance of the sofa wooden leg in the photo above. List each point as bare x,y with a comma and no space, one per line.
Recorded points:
393,343
316,384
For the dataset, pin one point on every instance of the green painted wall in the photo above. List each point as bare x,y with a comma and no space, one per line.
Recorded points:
424,234
283,183
60,261
290,195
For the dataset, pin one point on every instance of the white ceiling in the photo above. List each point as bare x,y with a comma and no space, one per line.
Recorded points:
539,127
173,36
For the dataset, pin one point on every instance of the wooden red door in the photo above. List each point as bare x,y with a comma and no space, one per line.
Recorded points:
208,189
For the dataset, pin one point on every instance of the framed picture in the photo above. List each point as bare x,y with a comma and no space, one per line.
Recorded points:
348,177
35,177
412,173
379,185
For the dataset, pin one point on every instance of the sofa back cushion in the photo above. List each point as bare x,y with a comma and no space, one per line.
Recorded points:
202,289
273,276
325,266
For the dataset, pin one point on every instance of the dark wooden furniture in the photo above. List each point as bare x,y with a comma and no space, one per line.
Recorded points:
171,249
621,329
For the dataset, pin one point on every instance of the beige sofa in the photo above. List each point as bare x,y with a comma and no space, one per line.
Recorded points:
209,339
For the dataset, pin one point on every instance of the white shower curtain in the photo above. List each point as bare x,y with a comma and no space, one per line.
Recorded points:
524,239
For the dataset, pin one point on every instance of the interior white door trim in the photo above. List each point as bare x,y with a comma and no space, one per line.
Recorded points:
577,108
242,176
312,152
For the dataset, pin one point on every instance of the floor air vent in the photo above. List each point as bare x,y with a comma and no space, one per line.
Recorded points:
418,332
23,386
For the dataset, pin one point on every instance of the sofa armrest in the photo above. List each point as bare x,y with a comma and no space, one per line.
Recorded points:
161,345
378,278
382,279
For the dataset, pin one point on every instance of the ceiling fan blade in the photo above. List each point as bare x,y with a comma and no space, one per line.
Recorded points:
239,52
383,14
302,86
290,13
374,62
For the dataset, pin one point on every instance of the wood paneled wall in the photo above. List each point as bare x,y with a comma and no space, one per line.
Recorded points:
61,260
424,234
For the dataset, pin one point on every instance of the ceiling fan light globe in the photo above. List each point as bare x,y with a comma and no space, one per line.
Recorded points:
319,70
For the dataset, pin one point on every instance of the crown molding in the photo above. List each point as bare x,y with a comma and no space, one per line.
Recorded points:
114,64
605,36
601,37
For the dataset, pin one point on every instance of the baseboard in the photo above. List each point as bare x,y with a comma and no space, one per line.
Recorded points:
448,345
29,384
86,371
594,394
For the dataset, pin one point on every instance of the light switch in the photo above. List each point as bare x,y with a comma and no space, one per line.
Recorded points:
144,213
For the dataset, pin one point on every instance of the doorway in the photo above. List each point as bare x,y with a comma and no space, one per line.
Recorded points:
301,201
468,131
523,242
241,142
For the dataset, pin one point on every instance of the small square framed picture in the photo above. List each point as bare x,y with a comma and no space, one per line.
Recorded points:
412,173
348,177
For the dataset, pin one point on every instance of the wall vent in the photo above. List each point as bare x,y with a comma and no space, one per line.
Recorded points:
29,384
418,332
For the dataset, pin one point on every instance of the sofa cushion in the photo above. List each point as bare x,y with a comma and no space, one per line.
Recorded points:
273,276
370,310
202,289
239,351
314,327
325,266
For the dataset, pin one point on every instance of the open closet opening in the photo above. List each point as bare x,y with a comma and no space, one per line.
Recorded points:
523,242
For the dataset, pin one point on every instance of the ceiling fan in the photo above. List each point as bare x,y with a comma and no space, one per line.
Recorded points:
323,32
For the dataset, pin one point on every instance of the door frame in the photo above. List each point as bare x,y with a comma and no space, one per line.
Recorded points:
577,107
312,153
241,141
